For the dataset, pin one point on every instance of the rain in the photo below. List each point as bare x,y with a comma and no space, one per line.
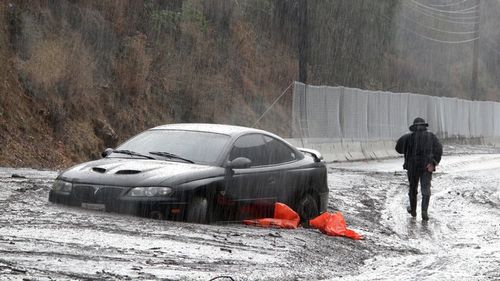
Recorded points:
114,165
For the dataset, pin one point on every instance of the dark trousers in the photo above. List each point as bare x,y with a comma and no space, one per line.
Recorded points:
416,175
424,177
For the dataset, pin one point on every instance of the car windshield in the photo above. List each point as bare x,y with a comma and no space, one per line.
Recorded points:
199,147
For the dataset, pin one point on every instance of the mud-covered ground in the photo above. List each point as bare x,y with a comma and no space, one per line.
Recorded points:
43,241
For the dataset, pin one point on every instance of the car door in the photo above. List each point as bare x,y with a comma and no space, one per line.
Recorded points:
262,183
247,186
282,171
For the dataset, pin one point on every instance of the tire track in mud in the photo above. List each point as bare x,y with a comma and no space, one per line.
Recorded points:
53,241
460,242
116,224
47,238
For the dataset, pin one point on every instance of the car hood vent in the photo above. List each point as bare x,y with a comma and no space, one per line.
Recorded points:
127,172
99,170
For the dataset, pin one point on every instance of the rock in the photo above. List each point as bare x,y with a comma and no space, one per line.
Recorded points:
17,176
104,131
275,234
226,250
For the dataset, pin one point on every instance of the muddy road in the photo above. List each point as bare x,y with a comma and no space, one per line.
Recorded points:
43,241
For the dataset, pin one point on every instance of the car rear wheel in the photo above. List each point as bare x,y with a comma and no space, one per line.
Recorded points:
307,208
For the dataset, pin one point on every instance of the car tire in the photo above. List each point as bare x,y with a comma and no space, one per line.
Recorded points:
307,208
203,210
197,211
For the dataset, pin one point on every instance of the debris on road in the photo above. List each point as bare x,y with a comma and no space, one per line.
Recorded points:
284,217
333,224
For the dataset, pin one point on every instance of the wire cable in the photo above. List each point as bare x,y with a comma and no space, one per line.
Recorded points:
448,5
464,11
437,29
439,18
434,39
448,18
436,14
440,41
274,102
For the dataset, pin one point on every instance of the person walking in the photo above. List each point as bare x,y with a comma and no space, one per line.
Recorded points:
422,153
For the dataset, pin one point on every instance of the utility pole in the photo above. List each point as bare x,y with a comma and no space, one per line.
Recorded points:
475,54
303,41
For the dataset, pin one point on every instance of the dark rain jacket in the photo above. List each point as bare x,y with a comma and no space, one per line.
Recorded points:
420,148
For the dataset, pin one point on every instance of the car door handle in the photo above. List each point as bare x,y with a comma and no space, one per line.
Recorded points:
271,180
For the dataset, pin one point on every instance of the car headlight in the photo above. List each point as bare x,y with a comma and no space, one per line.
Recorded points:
149,191
62,186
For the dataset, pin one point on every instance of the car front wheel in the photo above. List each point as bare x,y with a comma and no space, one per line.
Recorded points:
202,209
197,211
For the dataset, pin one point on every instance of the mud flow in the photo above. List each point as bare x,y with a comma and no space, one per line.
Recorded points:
461,241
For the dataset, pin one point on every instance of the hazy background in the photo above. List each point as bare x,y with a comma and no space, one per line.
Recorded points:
78,76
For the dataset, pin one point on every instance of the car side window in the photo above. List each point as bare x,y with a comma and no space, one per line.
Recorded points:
277,151
252,147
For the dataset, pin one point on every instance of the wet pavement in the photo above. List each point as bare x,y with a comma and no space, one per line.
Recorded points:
43,241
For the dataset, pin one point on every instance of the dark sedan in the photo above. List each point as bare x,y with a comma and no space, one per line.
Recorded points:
198,173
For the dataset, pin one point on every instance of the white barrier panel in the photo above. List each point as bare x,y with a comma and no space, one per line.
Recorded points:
332,150
450,108
475,120
441,126
433,114
333,111
496,118
347,123
354,114
488,116
298,110
417,107
398,117
317,122
379,126
462,117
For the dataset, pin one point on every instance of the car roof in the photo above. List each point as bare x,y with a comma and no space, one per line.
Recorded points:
213,128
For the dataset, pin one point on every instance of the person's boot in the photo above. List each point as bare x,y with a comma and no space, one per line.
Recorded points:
412,209
425,206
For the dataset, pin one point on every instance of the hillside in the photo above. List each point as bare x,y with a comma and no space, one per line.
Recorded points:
78,76
84,75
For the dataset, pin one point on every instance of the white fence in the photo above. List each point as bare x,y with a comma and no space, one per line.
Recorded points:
348,124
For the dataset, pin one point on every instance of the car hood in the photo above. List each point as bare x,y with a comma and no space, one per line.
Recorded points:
138,172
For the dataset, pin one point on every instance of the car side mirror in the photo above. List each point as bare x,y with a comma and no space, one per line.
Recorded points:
106,152
239,163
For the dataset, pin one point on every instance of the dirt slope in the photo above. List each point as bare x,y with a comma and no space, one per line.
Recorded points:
26,138
80,76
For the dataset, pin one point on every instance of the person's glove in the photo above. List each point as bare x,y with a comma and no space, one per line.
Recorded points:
430,168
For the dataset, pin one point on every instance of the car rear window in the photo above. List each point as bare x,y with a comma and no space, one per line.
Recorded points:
262,150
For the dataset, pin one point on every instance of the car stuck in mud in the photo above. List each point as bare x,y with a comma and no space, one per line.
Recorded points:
198,173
